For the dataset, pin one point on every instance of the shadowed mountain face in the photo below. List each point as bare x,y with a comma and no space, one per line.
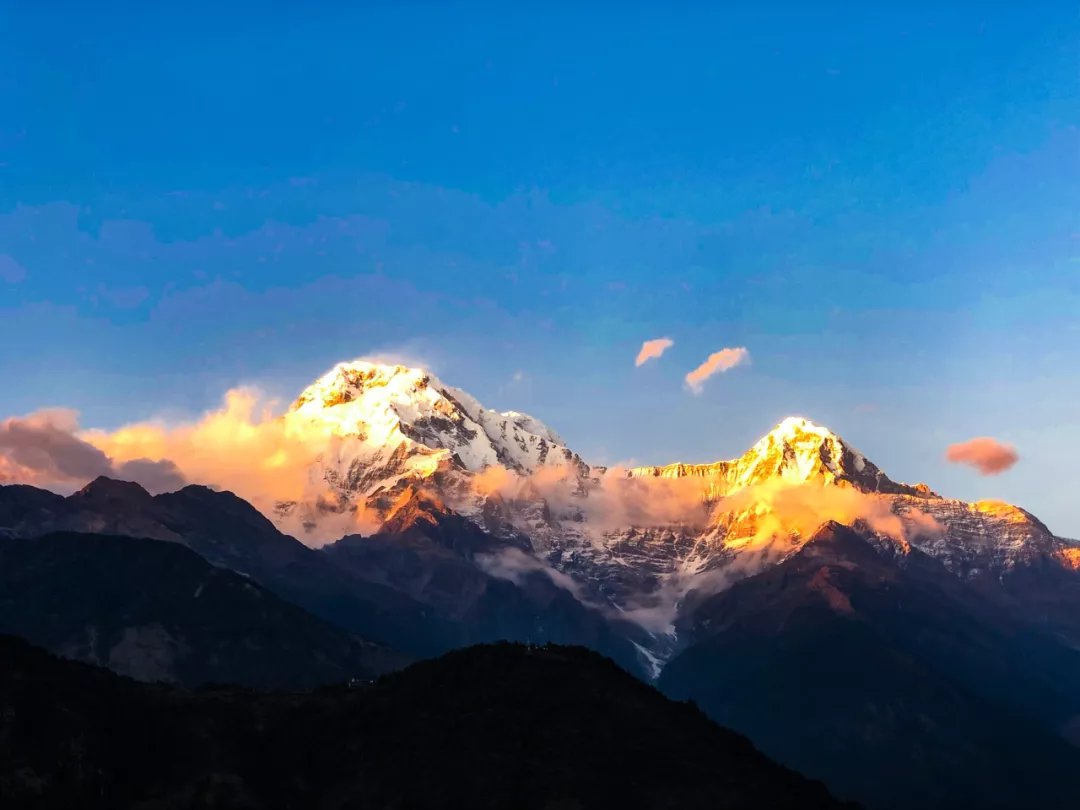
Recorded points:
877,671
418,589
157,611
495,726
228,532
433,559
901,658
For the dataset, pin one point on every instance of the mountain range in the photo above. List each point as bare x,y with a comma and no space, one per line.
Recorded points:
907,648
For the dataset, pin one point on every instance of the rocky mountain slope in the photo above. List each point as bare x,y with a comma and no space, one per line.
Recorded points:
417,589
495,726
634,542
927,639
878,671
410,454
394,428
156,611
228,532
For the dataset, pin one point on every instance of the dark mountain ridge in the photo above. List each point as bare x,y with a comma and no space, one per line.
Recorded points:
486,727
360,586
869,666
156,610
869,662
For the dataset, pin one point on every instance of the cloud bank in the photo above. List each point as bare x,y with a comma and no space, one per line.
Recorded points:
609,501
44,449
652,349
717,363
987,455
765,523
247,446
779,509
244,446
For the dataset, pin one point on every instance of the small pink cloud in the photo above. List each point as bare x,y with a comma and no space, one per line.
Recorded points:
987,455
717,363
653,348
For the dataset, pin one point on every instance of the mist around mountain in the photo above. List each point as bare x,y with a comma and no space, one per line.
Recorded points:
887,678
492,726
910,649
384,591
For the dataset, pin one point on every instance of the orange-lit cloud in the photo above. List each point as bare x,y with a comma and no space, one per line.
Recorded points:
764,523
248,446
777,509
987,455
244,446
767,522
716,363
43,449
609,501
652,349
642,501
750,517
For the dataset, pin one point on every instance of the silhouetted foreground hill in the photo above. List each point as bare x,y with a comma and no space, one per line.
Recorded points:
156,610
488,727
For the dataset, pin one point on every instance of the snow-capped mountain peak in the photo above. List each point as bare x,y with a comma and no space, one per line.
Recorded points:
406,449
400,432
393,427
391,406
796,451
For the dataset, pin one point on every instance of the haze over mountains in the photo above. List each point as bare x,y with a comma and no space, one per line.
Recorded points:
895,642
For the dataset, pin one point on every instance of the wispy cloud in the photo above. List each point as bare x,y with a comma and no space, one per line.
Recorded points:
123,297
717,363
652,349
10,270
985,454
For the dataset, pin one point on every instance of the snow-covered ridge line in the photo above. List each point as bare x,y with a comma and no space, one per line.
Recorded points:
403,430
390,406
795,451
408,447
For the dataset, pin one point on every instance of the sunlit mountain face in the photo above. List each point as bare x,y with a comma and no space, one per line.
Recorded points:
732,349
400,509
373,450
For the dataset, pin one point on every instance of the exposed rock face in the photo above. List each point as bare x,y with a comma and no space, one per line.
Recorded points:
635,542
419,587
397,427
795,451
930,635
881,672
409,456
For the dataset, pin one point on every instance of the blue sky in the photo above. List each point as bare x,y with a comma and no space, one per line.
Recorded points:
881,204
